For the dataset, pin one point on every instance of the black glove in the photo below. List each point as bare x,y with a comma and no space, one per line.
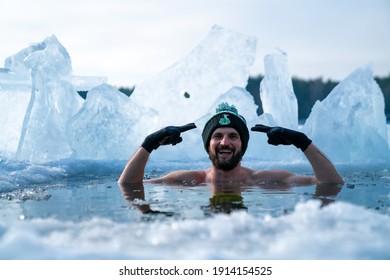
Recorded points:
165,136
283,136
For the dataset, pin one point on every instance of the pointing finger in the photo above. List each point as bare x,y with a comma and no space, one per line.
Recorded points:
261,128
186,127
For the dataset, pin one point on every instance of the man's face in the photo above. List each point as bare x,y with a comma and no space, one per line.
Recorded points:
225,148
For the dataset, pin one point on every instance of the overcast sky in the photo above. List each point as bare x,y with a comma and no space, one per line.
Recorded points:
130,41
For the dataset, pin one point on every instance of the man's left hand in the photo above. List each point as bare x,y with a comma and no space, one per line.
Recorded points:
283,136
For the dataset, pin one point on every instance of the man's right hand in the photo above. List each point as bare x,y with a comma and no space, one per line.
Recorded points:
165,136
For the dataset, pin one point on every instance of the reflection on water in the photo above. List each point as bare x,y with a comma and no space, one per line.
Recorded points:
226,197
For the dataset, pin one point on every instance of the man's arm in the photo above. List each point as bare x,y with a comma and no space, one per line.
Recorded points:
323,169
135,168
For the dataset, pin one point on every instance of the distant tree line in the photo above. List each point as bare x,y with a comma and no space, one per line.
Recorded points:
126,90
306,91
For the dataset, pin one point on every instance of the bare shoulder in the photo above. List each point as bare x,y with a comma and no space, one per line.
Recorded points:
283,176
193,176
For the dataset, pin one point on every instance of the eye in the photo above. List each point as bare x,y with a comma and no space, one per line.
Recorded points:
217,136
234,136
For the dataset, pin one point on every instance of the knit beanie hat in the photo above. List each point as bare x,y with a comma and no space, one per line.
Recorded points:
226,116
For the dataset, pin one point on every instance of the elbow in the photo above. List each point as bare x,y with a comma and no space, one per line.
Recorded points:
123,180
336,181
341,182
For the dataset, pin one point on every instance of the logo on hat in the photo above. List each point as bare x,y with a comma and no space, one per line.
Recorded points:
224,120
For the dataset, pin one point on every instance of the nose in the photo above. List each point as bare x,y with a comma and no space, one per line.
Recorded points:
224,140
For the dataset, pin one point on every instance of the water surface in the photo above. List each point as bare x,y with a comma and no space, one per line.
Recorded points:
77,211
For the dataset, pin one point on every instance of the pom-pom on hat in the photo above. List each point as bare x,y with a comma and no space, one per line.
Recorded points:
226,116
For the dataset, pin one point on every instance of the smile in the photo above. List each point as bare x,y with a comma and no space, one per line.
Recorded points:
225,151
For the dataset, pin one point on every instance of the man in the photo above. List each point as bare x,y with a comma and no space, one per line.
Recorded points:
225,137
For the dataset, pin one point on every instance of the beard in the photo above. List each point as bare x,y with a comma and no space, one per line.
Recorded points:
225,165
